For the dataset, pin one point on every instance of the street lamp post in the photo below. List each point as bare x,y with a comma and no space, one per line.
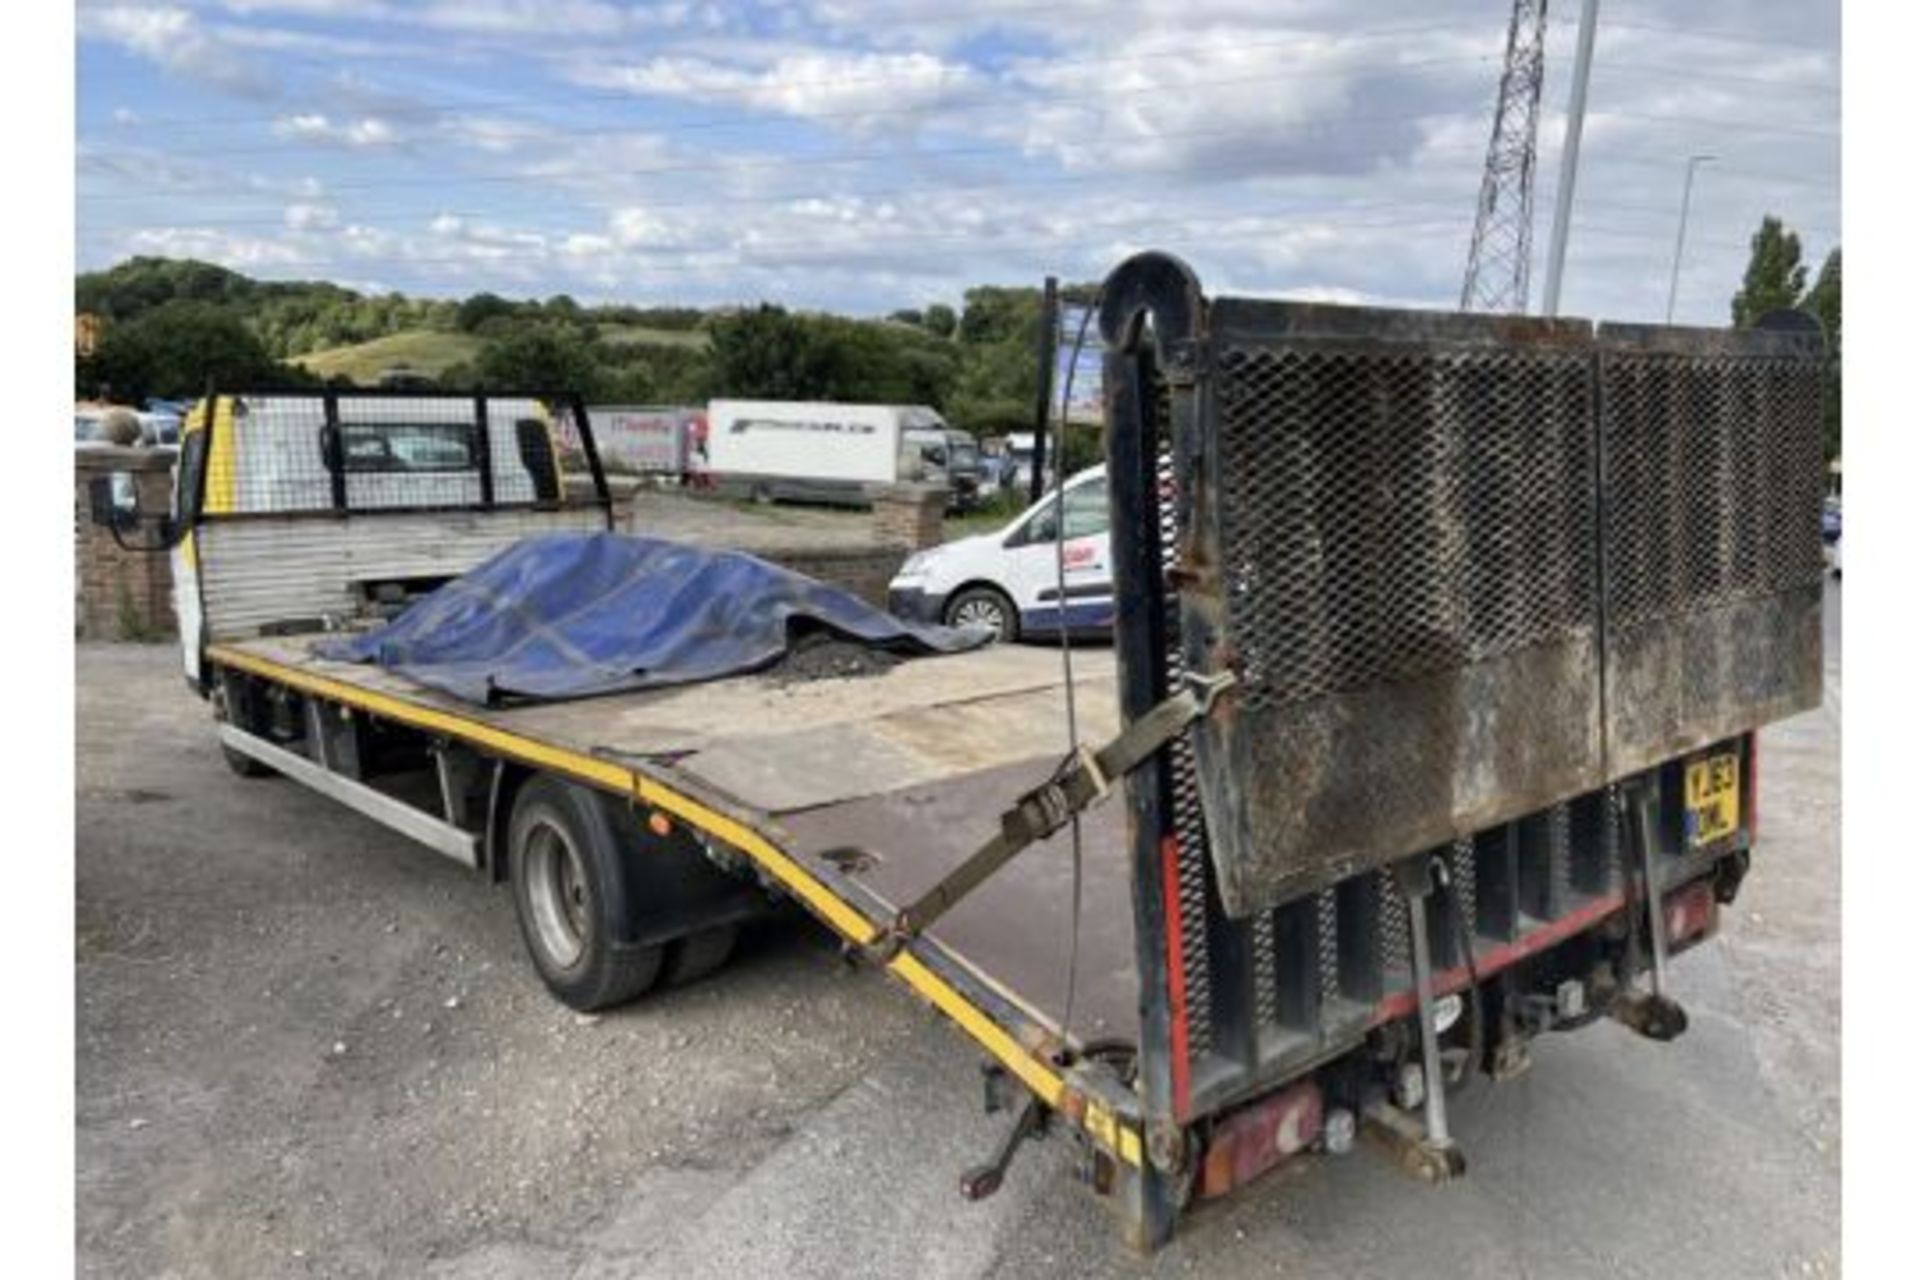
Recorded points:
1680,239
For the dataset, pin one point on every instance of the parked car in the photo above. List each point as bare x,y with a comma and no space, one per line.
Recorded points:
1009,579
1830,534
91,426
966,470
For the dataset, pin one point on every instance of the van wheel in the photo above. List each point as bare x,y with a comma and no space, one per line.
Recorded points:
565,861
984,606
698,954
763,495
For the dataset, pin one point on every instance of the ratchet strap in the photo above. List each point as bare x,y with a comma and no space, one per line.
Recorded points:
1086,777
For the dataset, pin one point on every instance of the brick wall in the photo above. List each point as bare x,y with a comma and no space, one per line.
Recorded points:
122,594
865,571
910,515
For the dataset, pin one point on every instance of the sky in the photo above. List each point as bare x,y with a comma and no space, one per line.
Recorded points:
865,155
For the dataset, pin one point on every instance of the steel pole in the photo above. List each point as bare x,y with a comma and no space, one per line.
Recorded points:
1680,237
1570,156
1047,343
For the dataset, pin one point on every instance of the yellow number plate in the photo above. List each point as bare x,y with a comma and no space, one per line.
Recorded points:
1713,799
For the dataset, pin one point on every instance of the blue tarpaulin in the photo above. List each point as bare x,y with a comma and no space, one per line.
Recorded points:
569,615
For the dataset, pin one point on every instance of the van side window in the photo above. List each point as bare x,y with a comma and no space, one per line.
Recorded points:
1086,510
1086,515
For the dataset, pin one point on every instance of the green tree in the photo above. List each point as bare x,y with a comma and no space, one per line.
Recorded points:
768,353
479,309
940,320
1823,302
176,349
1775,277
545,357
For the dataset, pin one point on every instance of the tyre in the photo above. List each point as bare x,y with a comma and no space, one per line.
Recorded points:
984,606
565,865
763,495
698,954
242,764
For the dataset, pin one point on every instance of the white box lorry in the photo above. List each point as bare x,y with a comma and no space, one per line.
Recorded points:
822,452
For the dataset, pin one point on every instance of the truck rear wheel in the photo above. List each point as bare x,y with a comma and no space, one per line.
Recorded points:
565,865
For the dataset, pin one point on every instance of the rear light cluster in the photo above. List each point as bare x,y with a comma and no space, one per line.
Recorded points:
1691,913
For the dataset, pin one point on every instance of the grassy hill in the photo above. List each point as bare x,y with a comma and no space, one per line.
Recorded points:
433,351
429,351
635,335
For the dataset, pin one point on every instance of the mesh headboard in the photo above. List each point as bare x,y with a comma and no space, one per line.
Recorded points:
1467,567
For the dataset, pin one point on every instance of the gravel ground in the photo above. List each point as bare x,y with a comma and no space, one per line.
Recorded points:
306,1048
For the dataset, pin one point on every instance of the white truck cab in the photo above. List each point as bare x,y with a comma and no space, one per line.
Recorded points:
1009,579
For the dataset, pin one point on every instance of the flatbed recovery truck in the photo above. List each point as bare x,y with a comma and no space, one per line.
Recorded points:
1429,719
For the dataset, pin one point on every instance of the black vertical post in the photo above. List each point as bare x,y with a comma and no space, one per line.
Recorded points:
1043,397
336,450
591,448
483,439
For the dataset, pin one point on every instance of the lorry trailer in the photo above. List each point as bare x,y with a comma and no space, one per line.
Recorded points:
1428,726
816,451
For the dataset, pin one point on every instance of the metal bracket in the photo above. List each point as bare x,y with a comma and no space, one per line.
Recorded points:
982,1180
1407,1141
1653,1014
1416,876
1087,778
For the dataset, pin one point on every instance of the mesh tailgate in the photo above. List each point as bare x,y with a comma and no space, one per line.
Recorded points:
1394,544
1712,471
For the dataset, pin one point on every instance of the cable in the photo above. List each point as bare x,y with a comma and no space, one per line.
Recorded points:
1066,644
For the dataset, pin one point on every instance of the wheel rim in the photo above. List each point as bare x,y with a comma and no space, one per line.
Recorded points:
980,611
557,893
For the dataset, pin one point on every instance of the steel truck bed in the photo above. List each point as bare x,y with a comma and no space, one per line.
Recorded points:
853,796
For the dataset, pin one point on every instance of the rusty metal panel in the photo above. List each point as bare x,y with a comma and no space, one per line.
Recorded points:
1711,471
1392,538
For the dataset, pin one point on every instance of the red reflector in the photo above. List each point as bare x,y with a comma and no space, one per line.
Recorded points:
1691,912
1256,1138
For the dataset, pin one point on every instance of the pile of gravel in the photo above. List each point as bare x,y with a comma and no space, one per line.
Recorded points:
823,655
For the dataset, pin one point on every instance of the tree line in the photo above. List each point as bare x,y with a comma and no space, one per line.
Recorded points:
170,326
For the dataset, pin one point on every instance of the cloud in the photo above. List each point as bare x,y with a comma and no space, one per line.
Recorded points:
812,83
368,131
306,216
173,38
1310,147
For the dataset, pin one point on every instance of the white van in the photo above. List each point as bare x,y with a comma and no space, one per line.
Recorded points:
821,452
1009,579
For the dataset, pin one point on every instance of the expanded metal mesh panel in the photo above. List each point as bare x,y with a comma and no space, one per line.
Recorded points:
1386,514
1396,554
1712,472
286,454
